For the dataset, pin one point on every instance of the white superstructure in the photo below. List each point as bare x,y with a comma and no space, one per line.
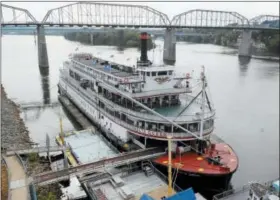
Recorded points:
106,93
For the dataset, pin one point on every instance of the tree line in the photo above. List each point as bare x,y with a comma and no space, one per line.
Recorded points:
229,38
119,38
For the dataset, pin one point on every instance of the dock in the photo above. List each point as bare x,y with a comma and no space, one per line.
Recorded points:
80,170
265,188
86,146
128,185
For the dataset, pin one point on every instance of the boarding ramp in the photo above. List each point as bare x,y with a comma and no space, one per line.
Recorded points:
37,105
119,160
23,151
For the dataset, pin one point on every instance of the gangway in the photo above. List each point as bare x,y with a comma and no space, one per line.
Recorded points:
37,105
34,150
119,160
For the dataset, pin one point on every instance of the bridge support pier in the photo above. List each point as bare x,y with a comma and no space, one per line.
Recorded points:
91,38
169,51
42,48
245,47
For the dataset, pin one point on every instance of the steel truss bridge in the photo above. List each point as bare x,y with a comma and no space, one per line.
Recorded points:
132,16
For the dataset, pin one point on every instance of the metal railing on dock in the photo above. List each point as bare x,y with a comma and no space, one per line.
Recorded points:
239,190
122,159
36,105
34,150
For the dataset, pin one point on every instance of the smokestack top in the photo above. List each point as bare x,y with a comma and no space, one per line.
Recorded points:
144,47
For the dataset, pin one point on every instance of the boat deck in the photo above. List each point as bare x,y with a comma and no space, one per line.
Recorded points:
92,63
192,162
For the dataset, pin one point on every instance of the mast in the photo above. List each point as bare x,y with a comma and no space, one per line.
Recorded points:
169,137
61,130
203,101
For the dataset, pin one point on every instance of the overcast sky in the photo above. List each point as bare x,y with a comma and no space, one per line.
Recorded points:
248,9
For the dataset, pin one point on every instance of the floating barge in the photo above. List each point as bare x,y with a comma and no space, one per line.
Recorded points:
114,183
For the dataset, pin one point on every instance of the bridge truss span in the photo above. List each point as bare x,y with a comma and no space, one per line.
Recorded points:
209,19
101,14
11,15
262,19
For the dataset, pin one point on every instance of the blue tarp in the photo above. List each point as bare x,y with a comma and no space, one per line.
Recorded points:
146,197
107,67
276,185
184,195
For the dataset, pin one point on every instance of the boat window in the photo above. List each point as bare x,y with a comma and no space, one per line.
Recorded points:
170,72
154,73
206,125
193,127
71,73
148,73
162,73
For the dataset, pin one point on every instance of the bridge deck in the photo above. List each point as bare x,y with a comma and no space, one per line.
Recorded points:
18,186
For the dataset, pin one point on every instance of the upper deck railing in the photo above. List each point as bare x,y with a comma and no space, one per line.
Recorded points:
103,74
99,74
183,118
134,129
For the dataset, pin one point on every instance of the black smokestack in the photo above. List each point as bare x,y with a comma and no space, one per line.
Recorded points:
144,43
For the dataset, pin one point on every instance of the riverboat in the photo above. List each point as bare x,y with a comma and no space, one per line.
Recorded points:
144,104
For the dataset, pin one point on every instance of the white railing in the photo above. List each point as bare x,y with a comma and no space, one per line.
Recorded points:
140,131
146,116
102,73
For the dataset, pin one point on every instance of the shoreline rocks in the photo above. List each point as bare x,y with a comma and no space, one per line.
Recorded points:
14,134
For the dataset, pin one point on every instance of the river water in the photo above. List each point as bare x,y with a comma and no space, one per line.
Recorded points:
246,96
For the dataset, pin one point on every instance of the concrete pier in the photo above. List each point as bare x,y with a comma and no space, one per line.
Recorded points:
169,52
245,47
91,38
42,47
45,83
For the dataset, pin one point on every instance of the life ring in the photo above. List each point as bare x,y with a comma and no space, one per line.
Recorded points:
188,75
